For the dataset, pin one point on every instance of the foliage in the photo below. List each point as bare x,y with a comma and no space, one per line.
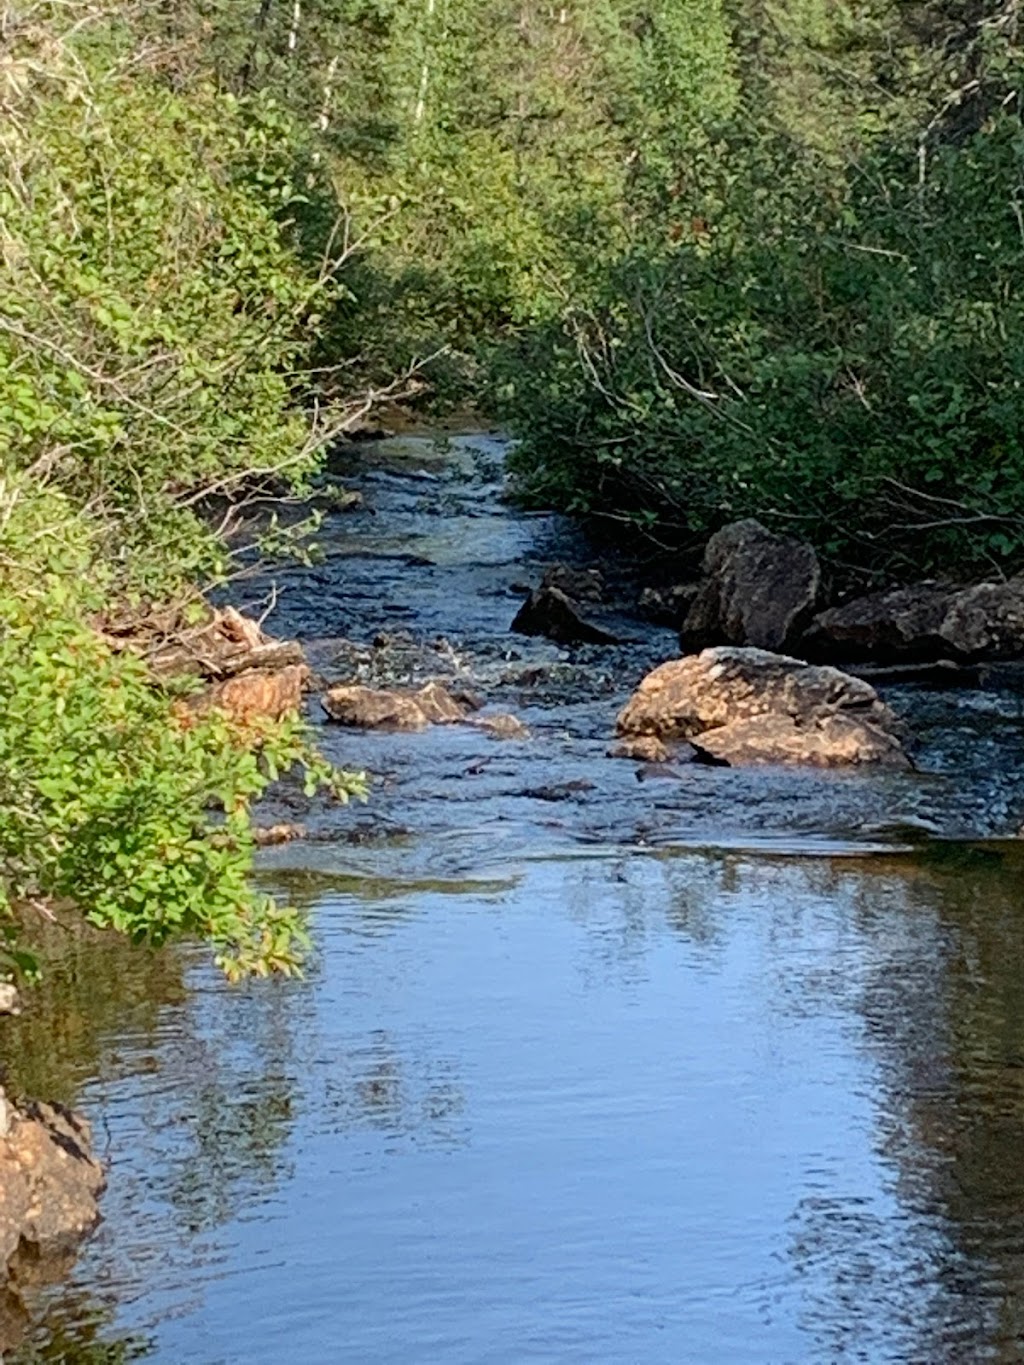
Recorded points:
156,316
837,351
711,257
159,312
113,797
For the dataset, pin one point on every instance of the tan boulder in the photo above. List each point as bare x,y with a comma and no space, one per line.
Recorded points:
825,742
372,708
49,1180
818,714
259,693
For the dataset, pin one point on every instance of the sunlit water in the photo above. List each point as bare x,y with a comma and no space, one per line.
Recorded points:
714,1068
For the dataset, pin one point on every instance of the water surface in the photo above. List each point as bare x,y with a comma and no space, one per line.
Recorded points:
722,1067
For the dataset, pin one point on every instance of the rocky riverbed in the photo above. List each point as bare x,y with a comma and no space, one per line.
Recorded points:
422,584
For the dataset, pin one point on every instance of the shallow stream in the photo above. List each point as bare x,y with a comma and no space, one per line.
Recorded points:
717,1066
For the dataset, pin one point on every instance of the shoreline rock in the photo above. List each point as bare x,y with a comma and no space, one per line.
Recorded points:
923,623
249,675
50,1183
759,589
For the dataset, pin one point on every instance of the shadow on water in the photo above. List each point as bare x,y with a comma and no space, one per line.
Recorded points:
724,1068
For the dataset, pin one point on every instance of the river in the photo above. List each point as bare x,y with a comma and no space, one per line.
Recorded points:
716,1067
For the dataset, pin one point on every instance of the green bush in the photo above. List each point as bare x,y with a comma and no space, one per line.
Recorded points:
114,797
846,363
158,316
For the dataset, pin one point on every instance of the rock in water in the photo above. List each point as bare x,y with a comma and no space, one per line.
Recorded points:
257,693
548,611
582,585
759,589
641,749
372,708
503,726
752,706
903,625
49,1180
825,742
986,621
924,622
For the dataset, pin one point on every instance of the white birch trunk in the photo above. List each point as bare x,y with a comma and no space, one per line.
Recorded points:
421,98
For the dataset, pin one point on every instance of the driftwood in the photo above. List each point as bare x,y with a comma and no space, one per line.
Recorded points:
222,646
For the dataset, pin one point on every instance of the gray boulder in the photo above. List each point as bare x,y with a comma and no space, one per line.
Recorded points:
903,625
986,621
759,589
924,622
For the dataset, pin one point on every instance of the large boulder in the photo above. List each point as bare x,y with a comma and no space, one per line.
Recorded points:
759,589
986,621
752,706
924,622
50,1182
823,742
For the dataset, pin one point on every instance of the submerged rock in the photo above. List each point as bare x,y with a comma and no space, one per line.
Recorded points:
503,726
378,708
548,611
641,749
752,706
560,791
267,836
759,589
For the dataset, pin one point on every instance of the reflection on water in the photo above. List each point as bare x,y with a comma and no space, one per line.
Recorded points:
691,1070
691,1107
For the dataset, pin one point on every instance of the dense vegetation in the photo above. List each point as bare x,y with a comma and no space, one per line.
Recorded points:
157,317
707,257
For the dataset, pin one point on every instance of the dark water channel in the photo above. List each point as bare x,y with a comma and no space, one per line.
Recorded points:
726,1067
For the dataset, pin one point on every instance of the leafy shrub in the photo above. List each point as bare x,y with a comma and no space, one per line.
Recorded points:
848,365
157,316
110,800
157,321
